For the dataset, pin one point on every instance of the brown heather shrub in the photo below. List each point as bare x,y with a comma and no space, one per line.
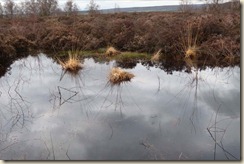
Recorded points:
6,50
219,47
140,32
22,45
121,32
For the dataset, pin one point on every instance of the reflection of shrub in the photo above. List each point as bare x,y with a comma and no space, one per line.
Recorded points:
126,65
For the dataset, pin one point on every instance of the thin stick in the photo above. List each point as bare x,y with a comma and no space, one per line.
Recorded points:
52,146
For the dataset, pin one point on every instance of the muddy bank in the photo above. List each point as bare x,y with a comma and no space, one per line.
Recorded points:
215,37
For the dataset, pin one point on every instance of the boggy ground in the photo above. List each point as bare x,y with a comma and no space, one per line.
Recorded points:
212,38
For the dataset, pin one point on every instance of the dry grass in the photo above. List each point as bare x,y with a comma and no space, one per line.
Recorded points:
111,51
117,76
73,63
191,52
190,46
156,56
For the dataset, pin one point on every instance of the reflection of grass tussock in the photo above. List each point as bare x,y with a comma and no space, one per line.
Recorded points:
72,64
111,51
117,76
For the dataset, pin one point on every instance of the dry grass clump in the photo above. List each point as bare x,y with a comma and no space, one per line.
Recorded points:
72,64
191,52
156,57
190,41
111,51
117,76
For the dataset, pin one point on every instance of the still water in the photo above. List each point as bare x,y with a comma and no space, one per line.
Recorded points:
48,115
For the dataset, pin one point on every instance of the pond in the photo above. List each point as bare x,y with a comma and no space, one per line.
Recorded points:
47,114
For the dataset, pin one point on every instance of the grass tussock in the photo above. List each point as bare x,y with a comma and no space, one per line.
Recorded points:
73,63
190,41
111,51
156,56
117,76
191,52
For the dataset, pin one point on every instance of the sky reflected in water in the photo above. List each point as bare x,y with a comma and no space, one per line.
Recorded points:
156,116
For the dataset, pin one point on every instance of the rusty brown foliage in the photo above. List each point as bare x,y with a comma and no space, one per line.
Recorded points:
218,34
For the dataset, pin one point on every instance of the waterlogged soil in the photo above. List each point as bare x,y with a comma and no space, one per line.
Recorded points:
47,114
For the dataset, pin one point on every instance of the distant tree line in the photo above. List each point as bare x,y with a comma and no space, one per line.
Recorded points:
212,5
11,9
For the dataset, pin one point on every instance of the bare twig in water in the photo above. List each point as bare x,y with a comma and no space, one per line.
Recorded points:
67,152
159,85
182,155
154,152
214,137
65,100
47,150
7,146
52,146
219,145
111,132
62,74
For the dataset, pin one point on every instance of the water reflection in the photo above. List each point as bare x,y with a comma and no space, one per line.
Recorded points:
156,116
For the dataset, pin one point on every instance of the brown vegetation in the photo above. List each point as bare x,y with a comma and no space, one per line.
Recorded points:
72,64
117,76
156,56
111,51
218,35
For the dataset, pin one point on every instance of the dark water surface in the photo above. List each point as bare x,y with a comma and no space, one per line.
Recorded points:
156,116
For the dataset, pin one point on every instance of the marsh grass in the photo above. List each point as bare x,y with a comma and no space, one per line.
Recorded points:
156,56
117,76
190,46
229,56
191,52
73,63
230,59
111,51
